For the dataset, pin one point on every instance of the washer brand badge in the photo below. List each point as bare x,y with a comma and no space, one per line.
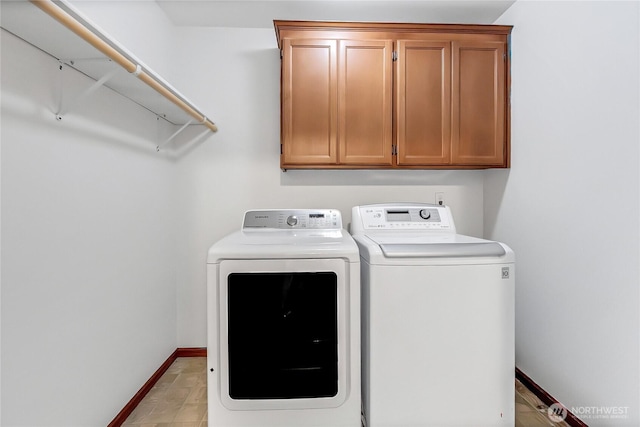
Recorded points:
505,272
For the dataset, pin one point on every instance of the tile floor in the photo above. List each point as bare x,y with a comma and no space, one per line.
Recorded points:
179,399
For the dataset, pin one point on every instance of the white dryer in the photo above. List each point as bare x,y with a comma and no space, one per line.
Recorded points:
438,320
283,296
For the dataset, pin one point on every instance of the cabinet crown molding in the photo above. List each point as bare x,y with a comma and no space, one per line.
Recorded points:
282,27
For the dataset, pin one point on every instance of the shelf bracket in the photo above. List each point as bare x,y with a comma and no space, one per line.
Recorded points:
203,122
176,133
62,109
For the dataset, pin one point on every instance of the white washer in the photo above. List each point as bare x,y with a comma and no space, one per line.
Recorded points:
283,297
438,320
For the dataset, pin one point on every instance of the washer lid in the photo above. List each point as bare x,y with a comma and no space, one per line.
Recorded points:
446,250
391,248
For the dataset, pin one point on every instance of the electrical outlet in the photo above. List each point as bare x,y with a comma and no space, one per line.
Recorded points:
440,198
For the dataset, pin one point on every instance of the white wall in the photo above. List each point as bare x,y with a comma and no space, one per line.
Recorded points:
238,79
140,27
88,244
569,206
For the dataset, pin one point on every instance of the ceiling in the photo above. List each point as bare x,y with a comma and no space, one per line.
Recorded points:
261,13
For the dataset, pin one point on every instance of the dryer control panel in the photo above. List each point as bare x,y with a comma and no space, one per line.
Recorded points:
402,217
293,219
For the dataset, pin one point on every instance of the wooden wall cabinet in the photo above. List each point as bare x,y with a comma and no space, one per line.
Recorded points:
380,95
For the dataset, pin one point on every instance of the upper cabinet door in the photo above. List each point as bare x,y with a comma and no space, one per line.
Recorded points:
423,111
365,88
478,103
309,101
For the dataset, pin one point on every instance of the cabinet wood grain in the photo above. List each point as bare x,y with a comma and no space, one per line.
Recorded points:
478,101
309,102
365,102
423,117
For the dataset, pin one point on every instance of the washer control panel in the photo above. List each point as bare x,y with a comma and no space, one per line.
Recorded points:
294,219
404,217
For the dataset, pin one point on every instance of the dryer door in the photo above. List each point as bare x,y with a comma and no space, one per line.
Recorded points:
282,333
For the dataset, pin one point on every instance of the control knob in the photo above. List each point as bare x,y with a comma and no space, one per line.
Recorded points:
425,214
292,220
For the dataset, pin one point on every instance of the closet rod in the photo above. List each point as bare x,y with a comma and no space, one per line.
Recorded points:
53,10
